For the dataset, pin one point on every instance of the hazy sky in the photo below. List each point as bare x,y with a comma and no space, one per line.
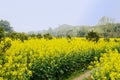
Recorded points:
35,15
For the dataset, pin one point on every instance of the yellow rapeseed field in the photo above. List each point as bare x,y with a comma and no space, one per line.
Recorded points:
41,59
108,68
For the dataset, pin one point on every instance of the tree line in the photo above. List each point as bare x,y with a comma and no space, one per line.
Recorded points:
105,28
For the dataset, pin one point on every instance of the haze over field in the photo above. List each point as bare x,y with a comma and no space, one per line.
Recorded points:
35,15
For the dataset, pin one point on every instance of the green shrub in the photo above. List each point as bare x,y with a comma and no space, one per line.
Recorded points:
107,39
2,34
39,36
48,36
92,36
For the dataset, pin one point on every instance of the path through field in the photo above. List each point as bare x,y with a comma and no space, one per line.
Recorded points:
83,76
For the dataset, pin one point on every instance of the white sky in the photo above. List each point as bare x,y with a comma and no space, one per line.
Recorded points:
35,15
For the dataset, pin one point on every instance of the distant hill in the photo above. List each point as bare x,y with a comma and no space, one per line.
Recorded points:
106,30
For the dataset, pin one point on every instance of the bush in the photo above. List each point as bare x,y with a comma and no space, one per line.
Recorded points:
33,35
21,36
68,37
116,40
107,39
48,36
39,36
2,34
7,45
92,36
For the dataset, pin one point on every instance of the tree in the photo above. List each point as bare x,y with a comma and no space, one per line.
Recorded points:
92,36
21,36
59,36
47,36
14,35
50,30
81,33
2,34
105,20
6,43
68,36
39,36
6,26
33,35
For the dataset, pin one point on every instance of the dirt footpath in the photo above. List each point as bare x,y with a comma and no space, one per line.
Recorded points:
83,76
